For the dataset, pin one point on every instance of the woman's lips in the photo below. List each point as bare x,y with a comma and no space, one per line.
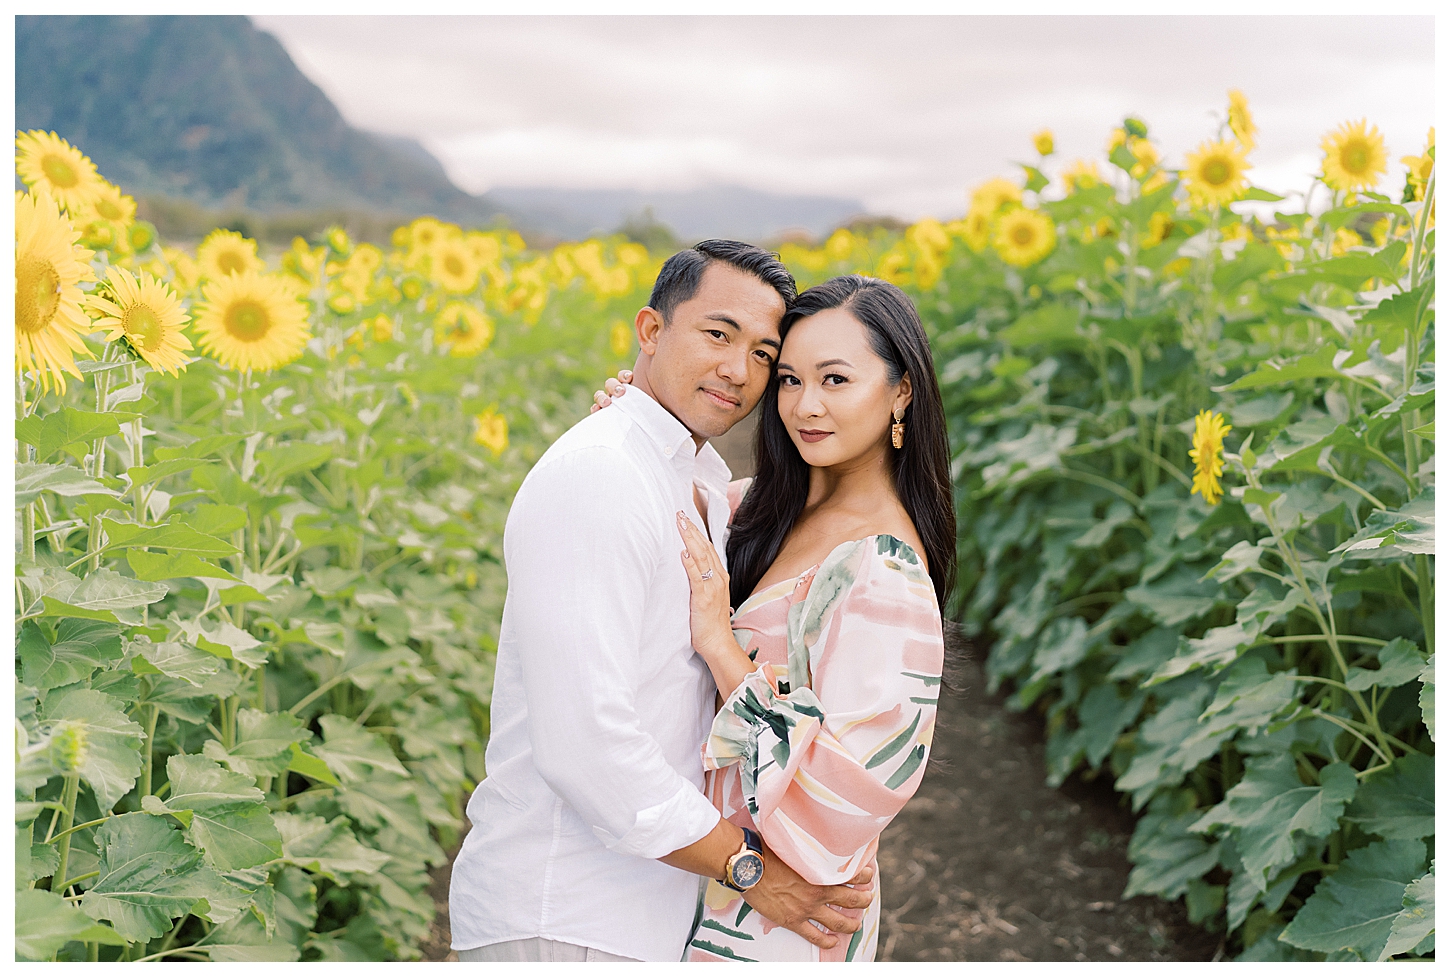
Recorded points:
811,437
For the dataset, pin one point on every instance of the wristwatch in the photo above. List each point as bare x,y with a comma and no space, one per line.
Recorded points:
746,867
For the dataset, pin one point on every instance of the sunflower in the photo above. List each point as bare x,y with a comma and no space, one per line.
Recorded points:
1418,168
491,430
1024,237
995,194
621,339
338,240
49,315
1043,143
1214,173
1240,120
224,253
185,272
251,321
1207,455
425,234
453,266
47,162
111,205
1081,174
140,236
464,326
147,314
486,248
1354,159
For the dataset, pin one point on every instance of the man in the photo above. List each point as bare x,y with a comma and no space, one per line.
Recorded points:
590,833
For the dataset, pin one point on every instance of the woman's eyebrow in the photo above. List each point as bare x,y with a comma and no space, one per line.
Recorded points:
825,363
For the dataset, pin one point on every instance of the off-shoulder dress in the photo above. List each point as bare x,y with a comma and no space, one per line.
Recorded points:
827,739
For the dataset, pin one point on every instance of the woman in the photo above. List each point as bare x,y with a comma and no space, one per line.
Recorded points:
841,556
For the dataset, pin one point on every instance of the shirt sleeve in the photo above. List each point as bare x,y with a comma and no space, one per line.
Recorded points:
832,747
580,551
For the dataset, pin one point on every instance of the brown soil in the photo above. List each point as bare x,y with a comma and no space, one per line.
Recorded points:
988,863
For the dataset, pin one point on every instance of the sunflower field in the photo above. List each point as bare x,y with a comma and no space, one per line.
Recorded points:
260,505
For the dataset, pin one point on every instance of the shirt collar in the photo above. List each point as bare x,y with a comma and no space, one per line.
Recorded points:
673,438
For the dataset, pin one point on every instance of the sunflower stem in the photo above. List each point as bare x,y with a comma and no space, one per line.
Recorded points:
28,532
67,816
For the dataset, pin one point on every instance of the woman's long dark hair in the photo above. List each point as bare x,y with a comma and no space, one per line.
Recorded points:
921,468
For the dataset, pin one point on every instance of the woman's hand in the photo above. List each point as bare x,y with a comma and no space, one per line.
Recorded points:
612,388
710,630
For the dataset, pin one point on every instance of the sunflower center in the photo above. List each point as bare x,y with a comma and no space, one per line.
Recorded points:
453,265
37,293
1023,235
230,261
58,171
1354,157
143,327
108,209
247,321
1217,172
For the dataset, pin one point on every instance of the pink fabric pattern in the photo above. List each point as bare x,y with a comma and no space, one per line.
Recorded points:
825,742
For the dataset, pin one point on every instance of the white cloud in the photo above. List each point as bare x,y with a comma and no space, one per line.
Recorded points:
903,113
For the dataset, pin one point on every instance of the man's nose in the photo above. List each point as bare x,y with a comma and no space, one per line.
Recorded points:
735,367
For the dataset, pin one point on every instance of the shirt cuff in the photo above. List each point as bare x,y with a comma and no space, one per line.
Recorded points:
680,821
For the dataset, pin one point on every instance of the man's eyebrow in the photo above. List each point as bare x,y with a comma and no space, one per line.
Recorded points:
725,318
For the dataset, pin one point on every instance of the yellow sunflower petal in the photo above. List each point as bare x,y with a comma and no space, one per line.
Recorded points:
50,317
1354,157
48,163
1214,173
251,321
224,253
147,315
1024,237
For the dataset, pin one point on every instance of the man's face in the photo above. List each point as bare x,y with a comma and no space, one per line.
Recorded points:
710,364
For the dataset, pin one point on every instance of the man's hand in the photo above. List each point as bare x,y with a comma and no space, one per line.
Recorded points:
788,900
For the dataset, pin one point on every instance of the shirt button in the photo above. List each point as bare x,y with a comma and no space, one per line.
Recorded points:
669,452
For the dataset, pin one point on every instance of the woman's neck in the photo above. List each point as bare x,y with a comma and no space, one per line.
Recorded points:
859,485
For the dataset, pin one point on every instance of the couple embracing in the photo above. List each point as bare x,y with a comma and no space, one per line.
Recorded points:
712,696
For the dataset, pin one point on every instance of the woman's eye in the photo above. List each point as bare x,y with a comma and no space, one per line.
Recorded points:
788,381
835,376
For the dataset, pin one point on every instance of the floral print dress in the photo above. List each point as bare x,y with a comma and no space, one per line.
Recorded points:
820,746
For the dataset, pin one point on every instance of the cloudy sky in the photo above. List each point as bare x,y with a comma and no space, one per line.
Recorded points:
900,113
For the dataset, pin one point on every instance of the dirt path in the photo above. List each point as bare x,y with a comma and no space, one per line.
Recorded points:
988,863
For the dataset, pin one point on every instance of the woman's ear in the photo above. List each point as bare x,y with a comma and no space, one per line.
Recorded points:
903,394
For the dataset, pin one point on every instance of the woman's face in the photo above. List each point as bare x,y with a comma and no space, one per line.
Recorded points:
834,398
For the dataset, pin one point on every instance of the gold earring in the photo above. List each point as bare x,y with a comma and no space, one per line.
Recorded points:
898,429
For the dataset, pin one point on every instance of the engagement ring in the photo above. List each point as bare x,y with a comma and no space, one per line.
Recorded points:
707,574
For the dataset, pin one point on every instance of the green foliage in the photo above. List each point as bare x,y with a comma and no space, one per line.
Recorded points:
1255,673
256,621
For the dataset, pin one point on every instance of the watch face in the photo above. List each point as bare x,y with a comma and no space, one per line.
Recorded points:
747,870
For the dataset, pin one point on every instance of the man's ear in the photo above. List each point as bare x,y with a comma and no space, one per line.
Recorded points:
647,326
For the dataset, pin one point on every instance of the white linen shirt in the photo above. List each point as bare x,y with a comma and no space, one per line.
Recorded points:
600,704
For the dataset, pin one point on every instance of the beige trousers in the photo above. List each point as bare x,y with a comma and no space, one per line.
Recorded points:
538,950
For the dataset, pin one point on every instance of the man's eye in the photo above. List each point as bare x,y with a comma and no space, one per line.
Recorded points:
765,357
718,334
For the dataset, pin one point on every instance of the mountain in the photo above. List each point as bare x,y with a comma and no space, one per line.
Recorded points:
214,111
209,120
719,211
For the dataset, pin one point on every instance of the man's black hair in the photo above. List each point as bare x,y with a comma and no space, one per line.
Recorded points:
679,278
